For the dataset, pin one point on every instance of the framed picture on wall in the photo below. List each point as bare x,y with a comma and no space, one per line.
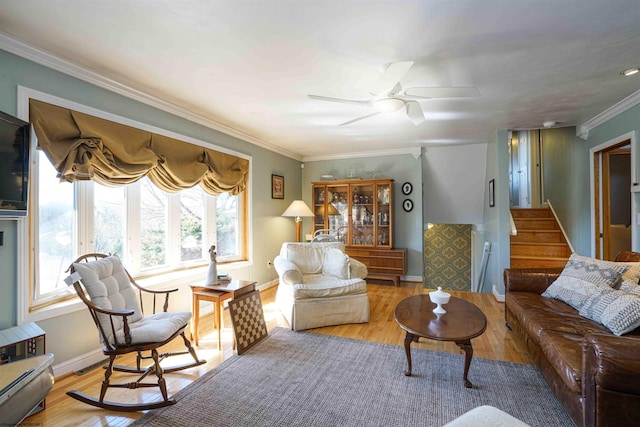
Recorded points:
277,187
492,194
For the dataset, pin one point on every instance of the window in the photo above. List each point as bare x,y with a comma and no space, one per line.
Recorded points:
109,218
57,232
192,210
154,230
151,230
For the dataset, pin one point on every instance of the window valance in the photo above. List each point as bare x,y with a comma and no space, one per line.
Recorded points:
84,147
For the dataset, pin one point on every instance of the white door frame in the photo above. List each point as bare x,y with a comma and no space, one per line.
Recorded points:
634,208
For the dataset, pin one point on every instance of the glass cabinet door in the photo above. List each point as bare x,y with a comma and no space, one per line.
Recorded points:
337,212
384,211
362,215
318,207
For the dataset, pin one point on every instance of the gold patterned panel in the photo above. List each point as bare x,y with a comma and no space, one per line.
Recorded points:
447,257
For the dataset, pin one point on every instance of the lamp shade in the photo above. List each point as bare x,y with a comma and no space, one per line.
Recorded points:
298,208
331,210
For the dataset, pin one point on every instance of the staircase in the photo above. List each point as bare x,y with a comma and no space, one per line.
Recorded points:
539,241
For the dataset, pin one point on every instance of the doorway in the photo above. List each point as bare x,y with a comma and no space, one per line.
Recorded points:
519,160
612,199
525,169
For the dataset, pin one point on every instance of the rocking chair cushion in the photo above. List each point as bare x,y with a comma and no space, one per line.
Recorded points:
108,286
158,328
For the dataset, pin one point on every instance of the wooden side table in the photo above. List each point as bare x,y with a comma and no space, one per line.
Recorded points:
217,294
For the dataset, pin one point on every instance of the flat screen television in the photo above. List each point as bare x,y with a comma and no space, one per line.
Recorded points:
14,165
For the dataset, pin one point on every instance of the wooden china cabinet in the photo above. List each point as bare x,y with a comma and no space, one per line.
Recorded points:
359,213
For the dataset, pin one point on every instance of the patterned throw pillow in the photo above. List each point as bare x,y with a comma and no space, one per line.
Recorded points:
582,278
617,310
630,287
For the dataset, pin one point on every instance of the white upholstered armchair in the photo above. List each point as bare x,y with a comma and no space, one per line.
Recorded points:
319,285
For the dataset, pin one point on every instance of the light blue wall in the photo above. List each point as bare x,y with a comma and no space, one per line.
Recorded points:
561,159
402,168
497,225
8,277
266,221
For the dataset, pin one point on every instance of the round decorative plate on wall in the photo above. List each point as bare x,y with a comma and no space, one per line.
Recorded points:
407,188
407,205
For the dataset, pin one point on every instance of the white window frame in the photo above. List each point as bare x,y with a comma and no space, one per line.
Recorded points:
86,230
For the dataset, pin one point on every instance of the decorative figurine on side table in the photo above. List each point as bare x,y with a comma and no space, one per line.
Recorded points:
212,273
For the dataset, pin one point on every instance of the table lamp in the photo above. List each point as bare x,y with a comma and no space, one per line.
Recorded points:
331,210
298,209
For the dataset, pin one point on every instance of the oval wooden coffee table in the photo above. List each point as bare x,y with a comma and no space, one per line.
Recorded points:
462,322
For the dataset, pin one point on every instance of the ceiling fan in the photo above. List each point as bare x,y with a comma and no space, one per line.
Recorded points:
388,95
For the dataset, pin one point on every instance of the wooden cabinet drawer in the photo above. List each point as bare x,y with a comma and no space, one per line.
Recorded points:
357,253
381,262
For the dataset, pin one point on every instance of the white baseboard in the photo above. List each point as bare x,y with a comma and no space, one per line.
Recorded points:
78,363
267,285
499,296
411,279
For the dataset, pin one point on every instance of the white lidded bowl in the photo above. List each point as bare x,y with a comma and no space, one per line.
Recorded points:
439,298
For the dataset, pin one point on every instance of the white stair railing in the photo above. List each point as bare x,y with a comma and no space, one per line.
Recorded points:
566,238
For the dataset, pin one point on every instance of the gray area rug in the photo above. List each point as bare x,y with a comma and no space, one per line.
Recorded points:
308,379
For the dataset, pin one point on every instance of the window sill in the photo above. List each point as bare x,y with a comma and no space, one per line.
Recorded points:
55,310
161,281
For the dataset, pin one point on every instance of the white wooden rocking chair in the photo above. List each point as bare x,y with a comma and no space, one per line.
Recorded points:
123,328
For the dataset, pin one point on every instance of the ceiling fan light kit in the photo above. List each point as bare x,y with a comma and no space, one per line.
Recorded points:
389,95
388,105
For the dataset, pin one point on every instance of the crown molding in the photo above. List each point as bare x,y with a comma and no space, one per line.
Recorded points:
632,100
415,152
41,57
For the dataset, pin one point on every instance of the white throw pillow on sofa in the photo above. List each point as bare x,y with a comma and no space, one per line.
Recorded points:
617,310
336,263
630,287
583,277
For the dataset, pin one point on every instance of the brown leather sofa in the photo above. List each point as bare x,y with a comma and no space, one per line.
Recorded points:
595,374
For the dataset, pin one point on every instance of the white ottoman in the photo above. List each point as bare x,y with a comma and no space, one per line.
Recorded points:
486,416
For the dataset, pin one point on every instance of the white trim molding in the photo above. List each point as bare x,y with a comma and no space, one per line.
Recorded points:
632,100
631,136
416,152
78,363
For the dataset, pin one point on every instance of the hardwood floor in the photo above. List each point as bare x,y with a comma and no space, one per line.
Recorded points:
496,343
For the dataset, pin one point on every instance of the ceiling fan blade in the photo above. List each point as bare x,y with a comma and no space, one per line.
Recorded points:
359,118
341,100
415,113
442,92
392,75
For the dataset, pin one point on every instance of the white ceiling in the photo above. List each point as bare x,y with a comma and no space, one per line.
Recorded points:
249,65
